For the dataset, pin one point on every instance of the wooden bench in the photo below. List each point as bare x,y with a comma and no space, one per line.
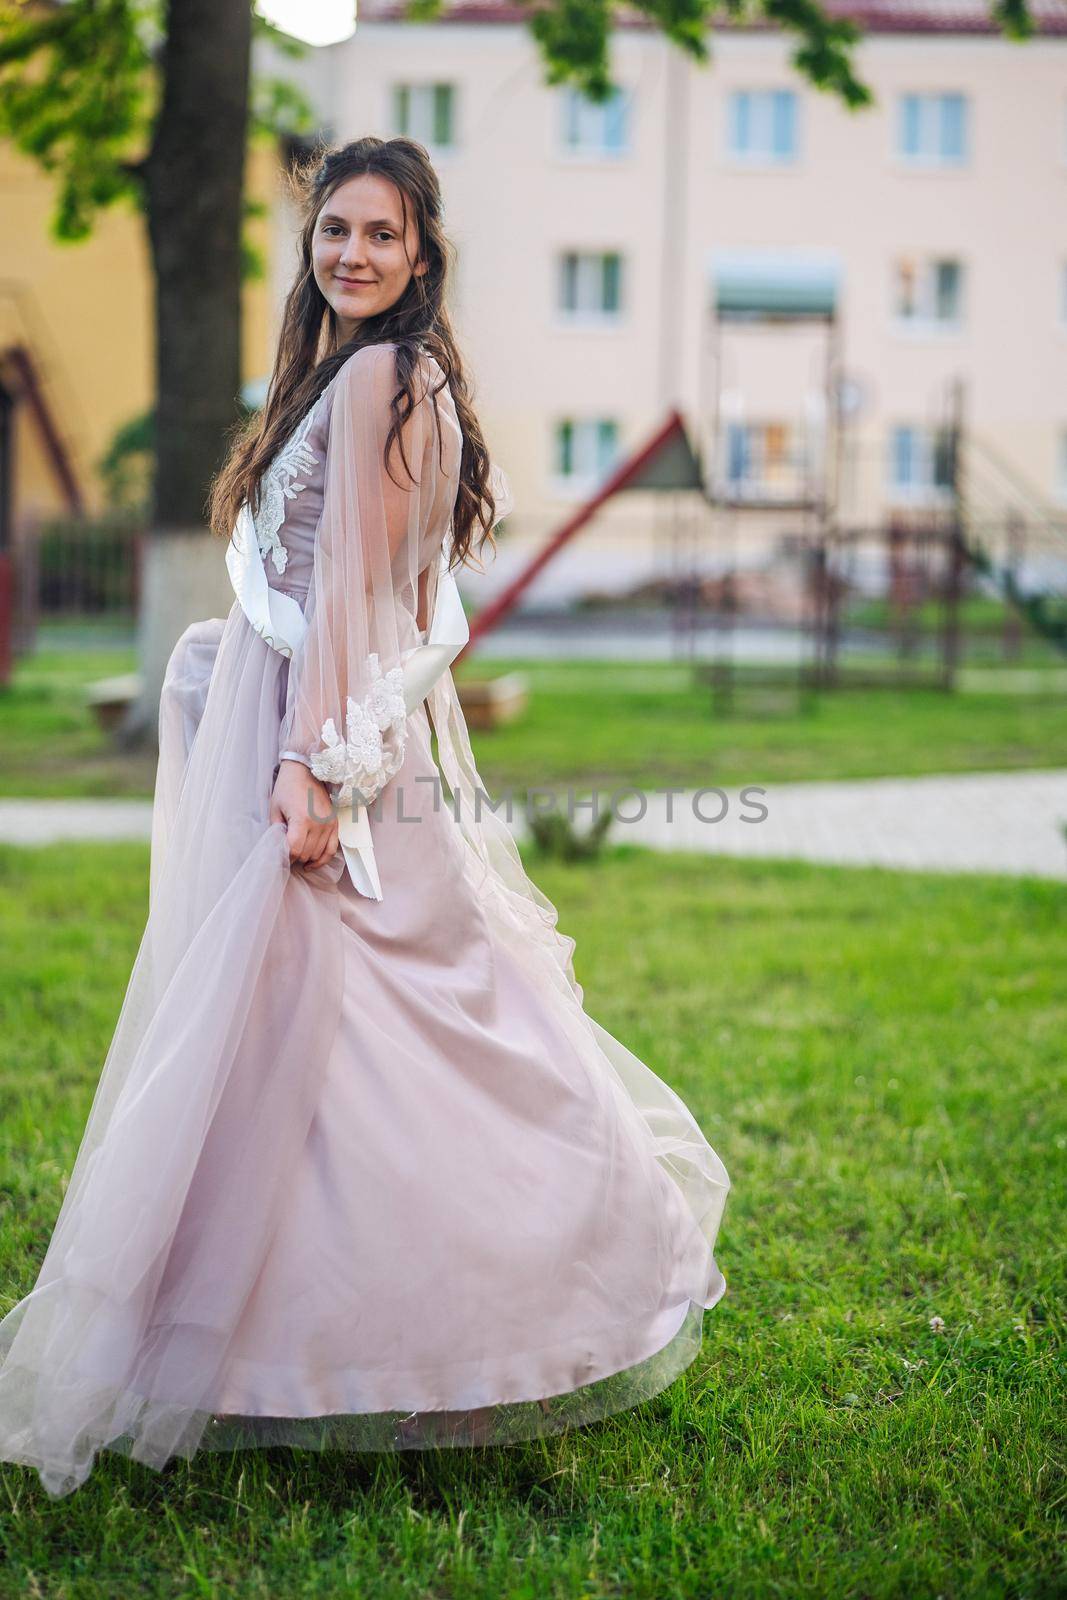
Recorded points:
108,698
489,702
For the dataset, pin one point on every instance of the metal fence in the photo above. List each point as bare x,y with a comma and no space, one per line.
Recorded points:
76,569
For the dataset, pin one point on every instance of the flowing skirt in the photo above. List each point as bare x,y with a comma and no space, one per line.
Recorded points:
358,1173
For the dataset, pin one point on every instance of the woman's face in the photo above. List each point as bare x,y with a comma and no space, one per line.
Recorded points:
362,257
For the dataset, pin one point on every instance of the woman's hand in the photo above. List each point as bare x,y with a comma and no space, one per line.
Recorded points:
304,805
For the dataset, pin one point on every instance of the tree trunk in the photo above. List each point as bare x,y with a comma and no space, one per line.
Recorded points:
194,184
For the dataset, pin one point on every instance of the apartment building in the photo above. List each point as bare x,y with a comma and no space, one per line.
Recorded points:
599,247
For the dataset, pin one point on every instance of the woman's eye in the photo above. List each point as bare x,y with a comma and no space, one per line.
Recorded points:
335,227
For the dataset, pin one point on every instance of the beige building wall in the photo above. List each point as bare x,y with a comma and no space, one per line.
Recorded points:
514,199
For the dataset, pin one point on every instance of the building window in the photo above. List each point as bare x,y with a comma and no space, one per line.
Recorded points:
591,129
932,129
761,125
586,450
590,284
762,461
928,293
426,112
920,464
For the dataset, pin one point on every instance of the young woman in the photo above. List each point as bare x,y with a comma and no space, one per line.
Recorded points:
360,1171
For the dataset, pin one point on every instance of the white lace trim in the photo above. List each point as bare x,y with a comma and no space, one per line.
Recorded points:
364,760
278,486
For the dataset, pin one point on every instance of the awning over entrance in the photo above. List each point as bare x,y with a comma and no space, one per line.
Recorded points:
774,283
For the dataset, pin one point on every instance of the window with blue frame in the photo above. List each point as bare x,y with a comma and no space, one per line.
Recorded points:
932,129
738,454
763,458
920,462
592,128
761,125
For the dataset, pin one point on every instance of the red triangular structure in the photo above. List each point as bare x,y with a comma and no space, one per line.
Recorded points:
666,461
24,384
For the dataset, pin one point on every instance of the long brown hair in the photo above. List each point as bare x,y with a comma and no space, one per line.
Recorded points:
309,351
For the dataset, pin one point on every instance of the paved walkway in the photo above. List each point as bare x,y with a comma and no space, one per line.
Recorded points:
1002,822
51,821
1010,822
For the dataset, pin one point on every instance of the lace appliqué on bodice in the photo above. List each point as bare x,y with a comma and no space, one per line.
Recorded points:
364,761
278,485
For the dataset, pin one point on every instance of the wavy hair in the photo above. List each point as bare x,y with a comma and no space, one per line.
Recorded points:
309,350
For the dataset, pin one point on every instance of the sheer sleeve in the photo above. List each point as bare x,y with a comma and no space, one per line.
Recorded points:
345,714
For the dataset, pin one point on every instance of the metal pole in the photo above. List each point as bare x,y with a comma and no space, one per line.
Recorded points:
956,543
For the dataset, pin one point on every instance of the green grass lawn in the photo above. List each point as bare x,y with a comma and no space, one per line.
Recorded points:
877,1057
984,621
592,723
614,722
50,744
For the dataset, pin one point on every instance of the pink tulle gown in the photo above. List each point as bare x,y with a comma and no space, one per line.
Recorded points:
360,1171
